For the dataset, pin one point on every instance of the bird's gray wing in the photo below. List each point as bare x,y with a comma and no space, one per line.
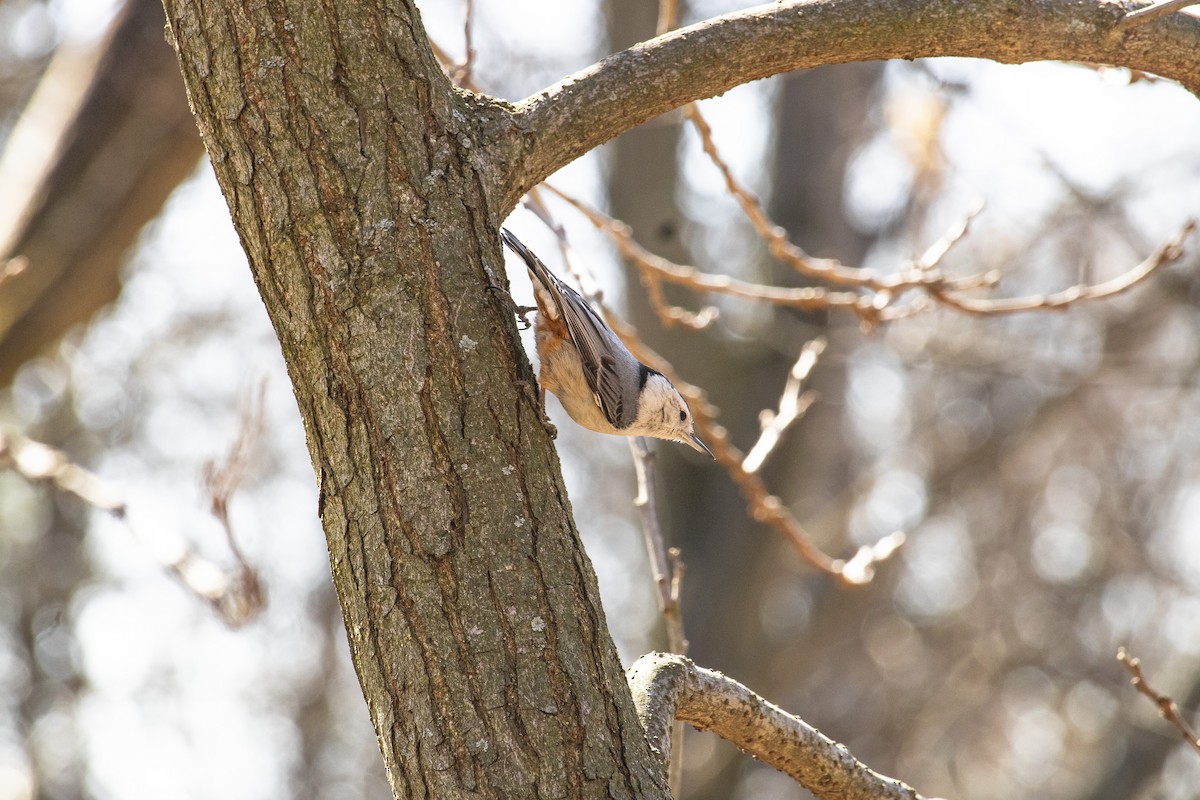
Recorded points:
601,361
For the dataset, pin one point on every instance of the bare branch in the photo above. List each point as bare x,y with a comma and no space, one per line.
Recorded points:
673,315
235,598
222,481
667,572
40,463
764,507
452,69
462,74
1168,253
774,235
667,687
586,109
937,251
667,569
1167,708
871,308
922,275
792,406
442,56
879,302
651,267
806,298
1152,12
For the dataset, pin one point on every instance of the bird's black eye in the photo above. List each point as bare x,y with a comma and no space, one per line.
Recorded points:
682,415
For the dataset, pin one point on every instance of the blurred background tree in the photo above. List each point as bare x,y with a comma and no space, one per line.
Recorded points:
1042,463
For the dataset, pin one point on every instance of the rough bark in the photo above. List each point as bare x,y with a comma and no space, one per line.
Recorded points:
367,192
352,171
668,686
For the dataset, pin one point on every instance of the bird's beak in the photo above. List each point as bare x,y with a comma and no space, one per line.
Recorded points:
693,441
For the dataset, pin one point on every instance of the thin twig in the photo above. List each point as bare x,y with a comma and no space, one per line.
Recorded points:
1152,12
792,406
763,506
667,569
922,276
222,481
442,56
452,68
673,315
462,74
1167,708
40,463
652,268
773,234
230,595
806,298
668,16
869,307
666,578
880,305
937,251
669,687
1168,253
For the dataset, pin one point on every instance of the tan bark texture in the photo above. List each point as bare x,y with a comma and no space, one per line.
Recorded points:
349,164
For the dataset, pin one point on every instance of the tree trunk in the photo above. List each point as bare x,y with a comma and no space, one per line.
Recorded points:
472,610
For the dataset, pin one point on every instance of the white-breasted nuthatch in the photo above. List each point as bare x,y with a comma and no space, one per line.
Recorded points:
595,377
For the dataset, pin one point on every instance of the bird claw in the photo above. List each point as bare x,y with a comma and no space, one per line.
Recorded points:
522,312
538,399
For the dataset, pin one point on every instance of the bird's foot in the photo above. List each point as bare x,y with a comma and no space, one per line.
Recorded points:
522,312
538,398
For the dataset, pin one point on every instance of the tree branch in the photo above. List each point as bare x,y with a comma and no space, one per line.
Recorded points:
593,105
236,594
667,568
363,188
1167,708
1147,13
664,564
667,687
763,506
792,406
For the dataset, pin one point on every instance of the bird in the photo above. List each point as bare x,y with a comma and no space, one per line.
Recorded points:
602,386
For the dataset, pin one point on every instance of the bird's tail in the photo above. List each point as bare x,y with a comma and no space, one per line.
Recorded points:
545,286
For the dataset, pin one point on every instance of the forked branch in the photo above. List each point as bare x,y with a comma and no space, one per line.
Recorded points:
874,298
